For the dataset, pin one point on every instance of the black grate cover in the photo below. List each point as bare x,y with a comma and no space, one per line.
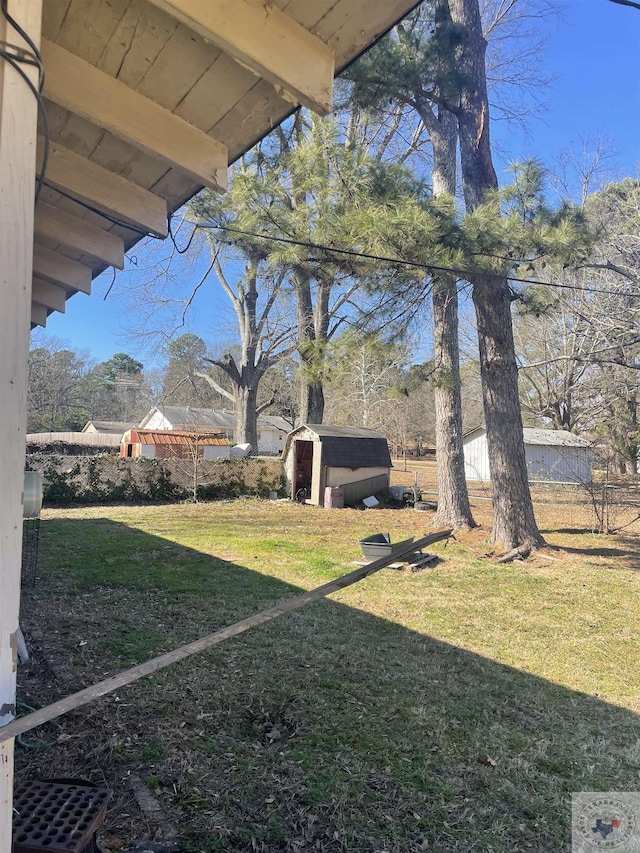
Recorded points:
56,816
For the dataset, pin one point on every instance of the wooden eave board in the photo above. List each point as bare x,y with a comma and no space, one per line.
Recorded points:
161,59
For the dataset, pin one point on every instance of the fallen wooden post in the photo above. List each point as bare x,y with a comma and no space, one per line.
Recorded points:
109,685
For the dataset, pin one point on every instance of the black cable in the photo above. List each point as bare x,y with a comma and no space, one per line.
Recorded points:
34,47
34,57
42,109
173,239
417,264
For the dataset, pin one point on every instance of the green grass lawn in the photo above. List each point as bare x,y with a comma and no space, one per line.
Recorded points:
357,723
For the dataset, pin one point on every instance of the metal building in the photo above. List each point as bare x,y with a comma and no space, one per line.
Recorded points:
552,455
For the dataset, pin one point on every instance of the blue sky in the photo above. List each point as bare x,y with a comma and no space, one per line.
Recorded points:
593,52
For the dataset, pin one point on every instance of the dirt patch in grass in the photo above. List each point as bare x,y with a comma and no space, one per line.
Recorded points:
357,723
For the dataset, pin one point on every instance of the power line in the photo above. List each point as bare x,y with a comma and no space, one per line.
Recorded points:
416,264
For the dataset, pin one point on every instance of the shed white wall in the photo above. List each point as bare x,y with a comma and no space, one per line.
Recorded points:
561,464
476,458
343,476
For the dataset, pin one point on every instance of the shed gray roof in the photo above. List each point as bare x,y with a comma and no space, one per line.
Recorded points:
347,447
322,430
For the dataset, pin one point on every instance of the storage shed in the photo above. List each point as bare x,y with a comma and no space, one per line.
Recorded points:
552,455
176,444
354,459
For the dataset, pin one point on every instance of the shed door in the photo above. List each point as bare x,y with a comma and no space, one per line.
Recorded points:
303,469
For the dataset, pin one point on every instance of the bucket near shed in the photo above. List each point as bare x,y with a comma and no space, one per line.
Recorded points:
333,498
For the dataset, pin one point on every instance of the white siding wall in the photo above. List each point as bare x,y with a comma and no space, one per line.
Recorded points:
476,458
157,421
562,464
544,462
271,440
148,450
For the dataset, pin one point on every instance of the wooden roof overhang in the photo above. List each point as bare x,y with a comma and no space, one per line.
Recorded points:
150,100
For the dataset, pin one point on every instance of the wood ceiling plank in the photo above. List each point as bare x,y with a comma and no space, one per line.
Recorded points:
74,233
89,26
266,40
38,315
216,92
259,109
49,295
104,101
149,37
186,51
53,14
59,269
122,39
308,14
105,190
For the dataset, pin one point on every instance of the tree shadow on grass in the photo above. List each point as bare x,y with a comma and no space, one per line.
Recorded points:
327,729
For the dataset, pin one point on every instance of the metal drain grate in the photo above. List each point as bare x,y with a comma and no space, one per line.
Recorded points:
57,816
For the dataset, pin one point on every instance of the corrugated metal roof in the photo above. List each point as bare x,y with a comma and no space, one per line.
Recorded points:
173,437
554,438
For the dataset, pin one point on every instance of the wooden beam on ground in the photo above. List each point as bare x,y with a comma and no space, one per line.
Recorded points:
57,268
77,234
266,40
109,685
50,295
104,101
18,128
104,190
39,314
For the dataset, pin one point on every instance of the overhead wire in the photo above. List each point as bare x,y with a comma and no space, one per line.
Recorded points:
471,273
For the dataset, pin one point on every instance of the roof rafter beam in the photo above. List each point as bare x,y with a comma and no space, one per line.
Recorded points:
74,233
38,315
105,190
57,268
104,101
50,295
263,38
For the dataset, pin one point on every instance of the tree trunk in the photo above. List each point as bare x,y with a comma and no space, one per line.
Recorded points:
454,509
246,417
514,523
312,402
311,389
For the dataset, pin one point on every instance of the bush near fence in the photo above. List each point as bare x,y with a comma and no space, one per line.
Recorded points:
108,479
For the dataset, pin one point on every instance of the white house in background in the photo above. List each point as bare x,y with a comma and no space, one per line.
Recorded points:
552,455
272,431
107,427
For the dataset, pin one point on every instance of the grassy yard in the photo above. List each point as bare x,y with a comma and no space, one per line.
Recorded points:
453,709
